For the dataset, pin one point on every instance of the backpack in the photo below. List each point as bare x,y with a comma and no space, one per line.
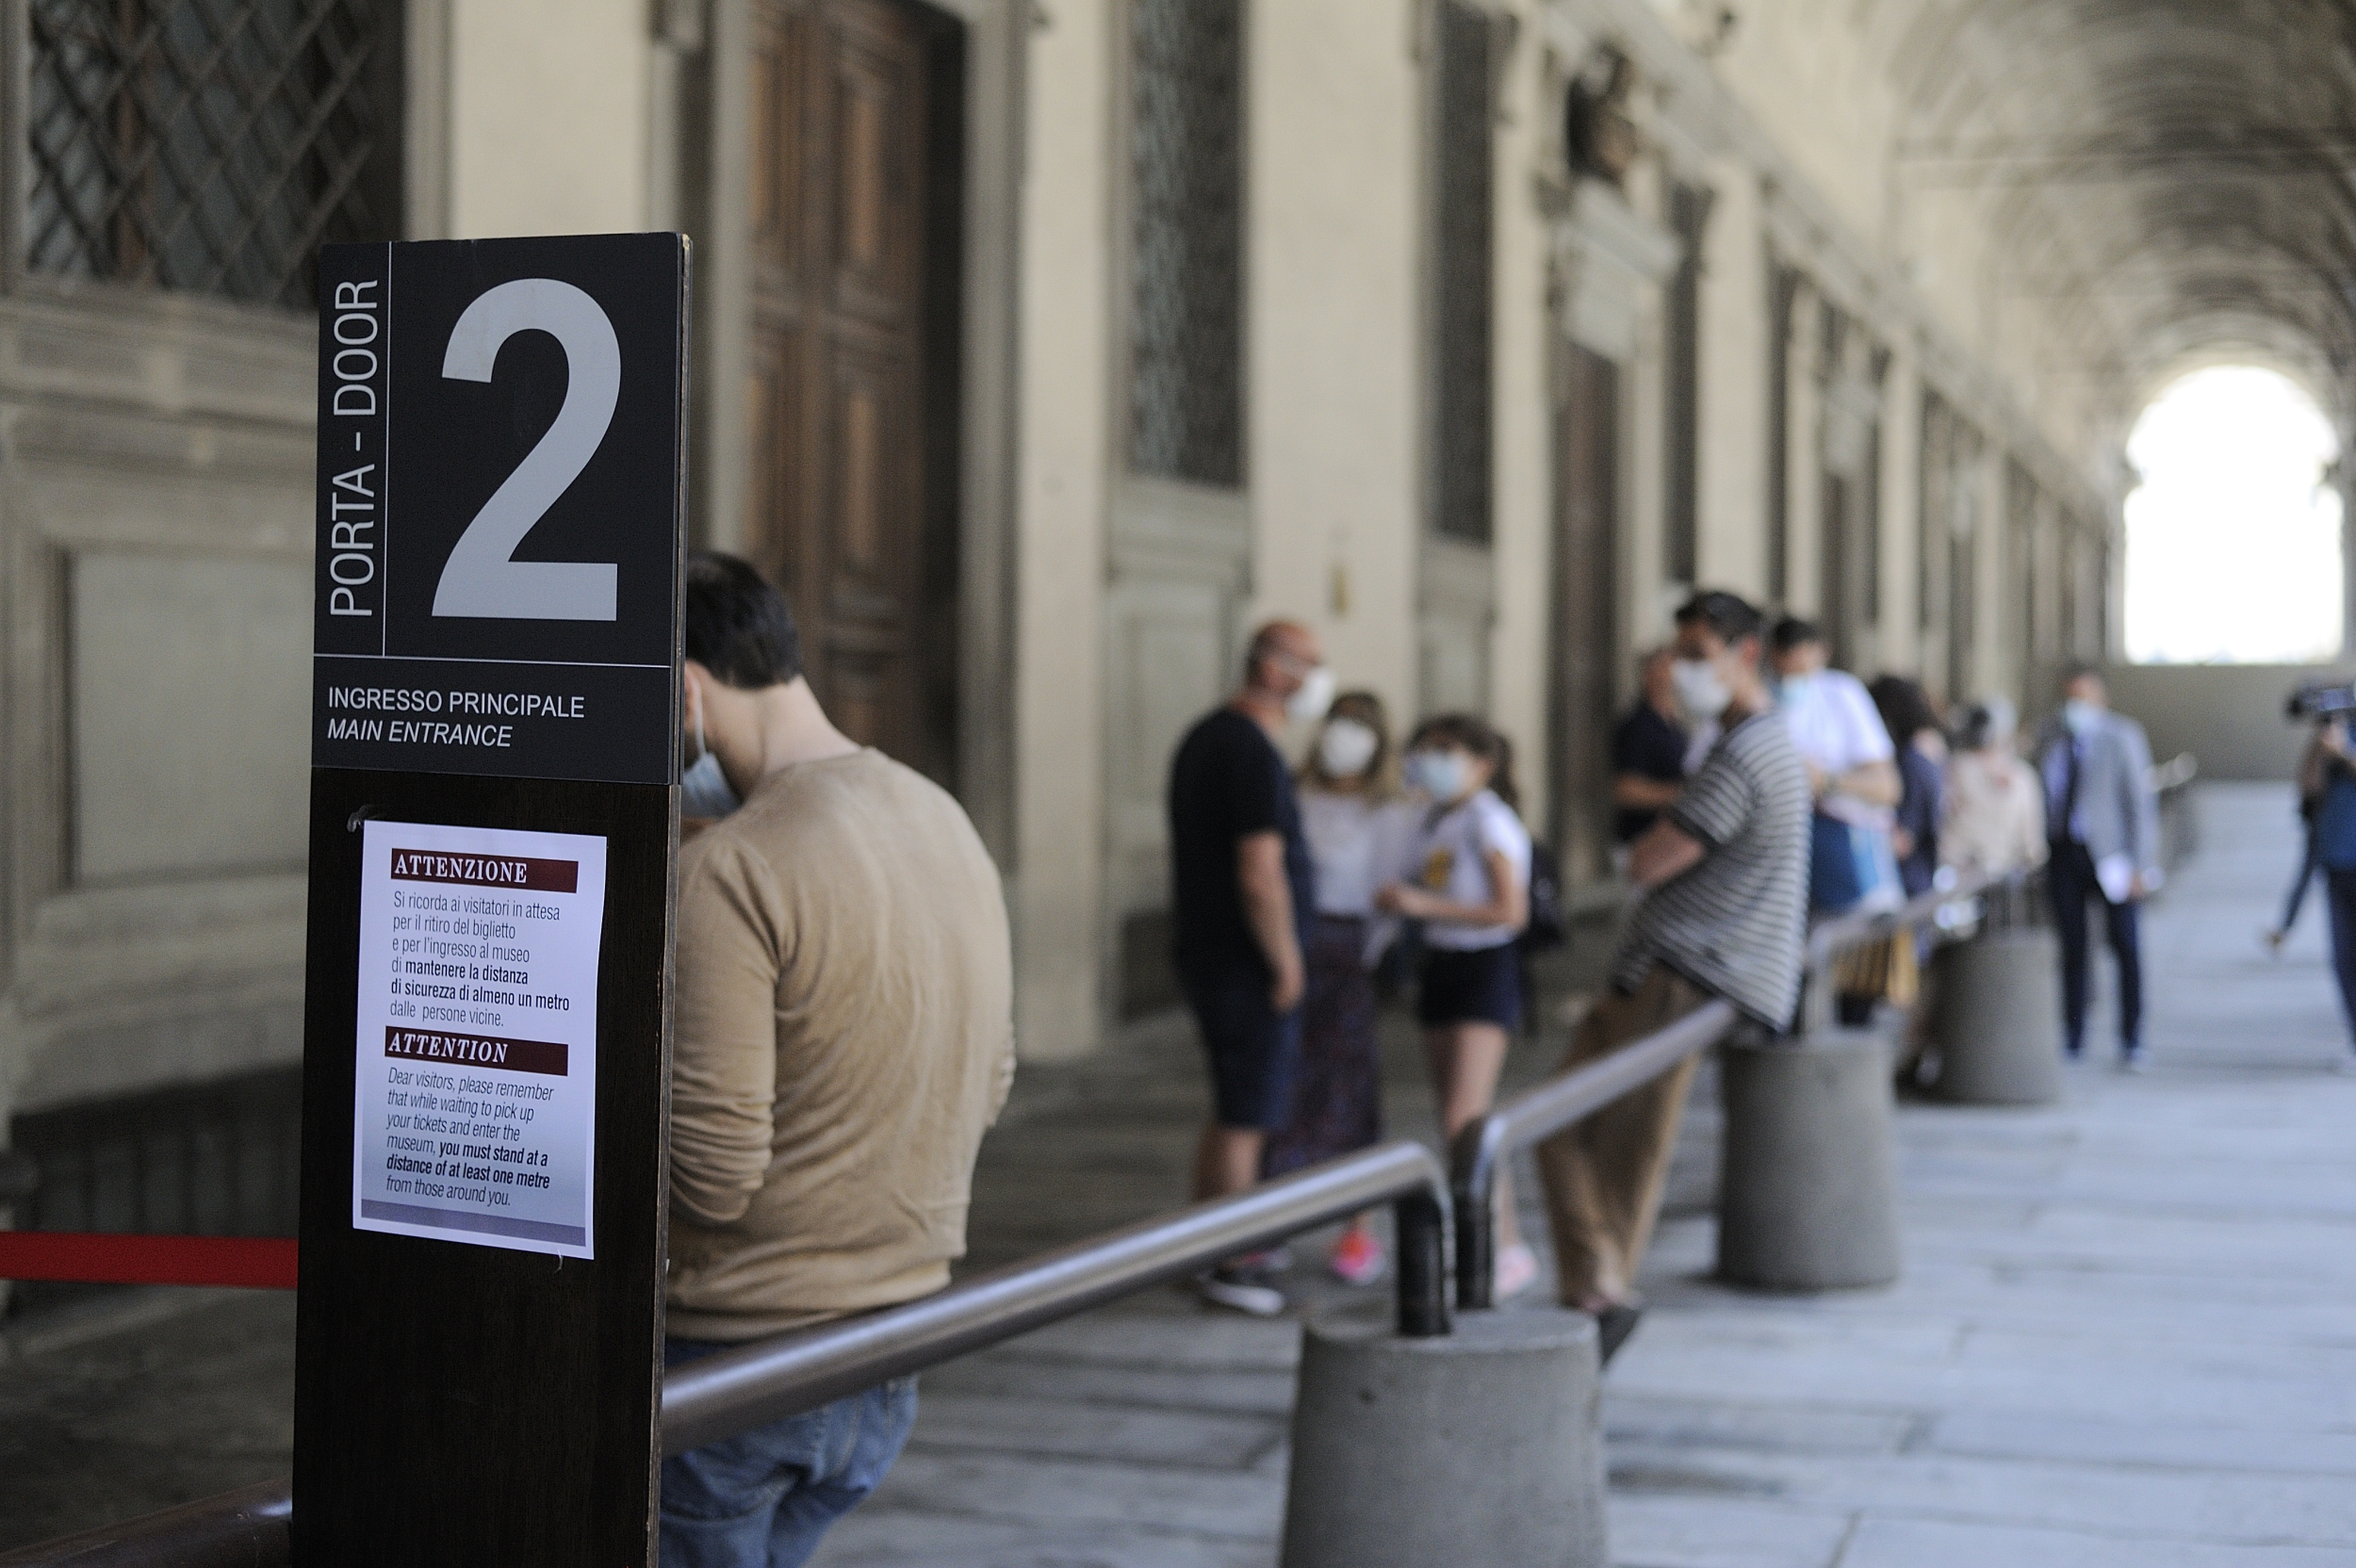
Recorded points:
1548,927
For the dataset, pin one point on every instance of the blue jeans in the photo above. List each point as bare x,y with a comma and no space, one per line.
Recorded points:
2072,885
2340,899
765,1498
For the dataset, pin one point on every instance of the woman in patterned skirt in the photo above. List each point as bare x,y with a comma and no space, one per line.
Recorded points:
1359,831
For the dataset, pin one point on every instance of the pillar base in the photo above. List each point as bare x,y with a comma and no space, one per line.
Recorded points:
1996,1019
1484,1445
1808,1197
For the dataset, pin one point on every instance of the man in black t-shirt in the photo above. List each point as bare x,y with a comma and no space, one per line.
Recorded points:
1241,897
1648,751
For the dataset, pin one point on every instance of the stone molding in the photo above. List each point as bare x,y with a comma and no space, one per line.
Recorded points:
1607,260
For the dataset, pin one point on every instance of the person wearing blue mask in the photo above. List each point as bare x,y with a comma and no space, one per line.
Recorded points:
705,794
2104,821
843,1031
1471,890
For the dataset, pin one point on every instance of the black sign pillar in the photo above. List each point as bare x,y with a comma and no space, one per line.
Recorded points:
495,735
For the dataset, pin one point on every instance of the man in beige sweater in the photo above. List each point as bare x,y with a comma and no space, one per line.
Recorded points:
844,1036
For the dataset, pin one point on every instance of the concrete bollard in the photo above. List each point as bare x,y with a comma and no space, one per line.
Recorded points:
1996,1020
1484,1445
1808,1196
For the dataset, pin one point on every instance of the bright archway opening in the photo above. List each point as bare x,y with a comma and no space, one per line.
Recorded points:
2233,531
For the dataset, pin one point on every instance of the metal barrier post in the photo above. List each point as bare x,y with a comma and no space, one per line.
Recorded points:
1422,1235
1482,1147
1473,1177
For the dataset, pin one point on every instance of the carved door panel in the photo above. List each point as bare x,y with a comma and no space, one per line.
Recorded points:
842,517
1586,631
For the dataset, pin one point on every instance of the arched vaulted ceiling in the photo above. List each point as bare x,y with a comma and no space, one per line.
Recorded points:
2167,178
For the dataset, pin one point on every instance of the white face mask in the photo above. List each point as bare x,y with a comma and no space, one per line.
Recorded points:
1346,748
704,789
1314,695
1795,689
1700,690
1444,776
2080,716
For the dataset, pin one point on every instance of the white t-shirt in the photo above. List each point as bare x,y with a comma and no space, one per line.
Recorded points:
1836,728
1451,857
1357,846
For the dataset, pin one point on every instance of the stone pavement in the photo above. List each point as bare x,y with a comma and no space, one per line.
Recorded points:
2125,1334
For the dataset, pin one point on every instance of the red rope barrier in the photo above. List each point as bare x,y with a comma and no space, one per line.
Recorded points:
261,1263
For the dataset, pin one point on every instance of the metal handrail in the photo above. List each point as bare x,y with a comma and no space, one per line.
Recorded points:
1480,1151
1829,939
248,1529
710,1398
769,1379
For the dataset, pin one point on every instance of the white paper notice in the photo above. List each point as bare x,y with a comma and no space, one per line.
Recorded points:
475,1112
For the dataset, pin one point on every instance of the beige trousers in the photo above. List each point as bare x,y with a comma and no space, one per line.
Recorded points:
1604,1176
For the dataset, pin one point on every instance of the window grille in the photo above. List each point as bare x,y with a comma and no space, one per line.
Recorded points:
1465,219
1934,486
1963,598
2019,544
209,145
1187,273
1783,293
2068,640
1689,214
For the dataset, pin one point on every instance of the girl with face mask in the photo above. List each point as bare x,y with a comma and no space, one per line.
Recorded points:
1471,890
1358,828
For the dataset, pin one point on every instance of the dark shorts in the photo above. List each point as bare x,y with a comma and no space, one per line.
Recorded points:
1253,1050
1483,985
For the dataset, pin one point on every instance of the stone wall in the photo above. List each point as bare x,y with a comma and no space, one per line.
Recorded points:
156,474
2227,715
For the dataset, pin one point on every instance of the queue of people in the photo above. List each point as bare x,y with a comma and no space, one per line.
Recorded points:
844,1004
1899,794
1277,969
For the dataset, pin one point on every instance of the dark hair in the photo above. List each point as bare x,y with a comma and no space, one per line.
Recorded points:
1268,642
1729,615
1792,633
1975,728
738,626
1904,707
2079,669
1478,737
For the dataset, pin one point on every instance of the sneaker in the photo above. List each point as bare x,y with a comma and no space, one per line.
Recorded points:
1613,1327
2132,1061
1517,1269
1242,1290
1358,1259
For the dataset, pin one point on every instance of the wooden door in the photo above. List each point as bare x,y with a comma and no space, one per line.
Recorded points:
852,414
1586,632
1835,551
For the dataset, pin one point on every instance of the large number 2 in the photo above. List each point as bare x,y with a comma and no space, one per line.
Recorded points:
482,577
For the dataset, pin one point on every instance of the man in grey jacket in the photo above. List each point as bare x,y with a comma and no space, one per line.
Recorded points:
2105,825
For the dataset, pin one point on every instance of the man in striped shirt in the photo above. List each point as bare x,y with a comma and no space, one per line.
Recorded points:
1724,875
